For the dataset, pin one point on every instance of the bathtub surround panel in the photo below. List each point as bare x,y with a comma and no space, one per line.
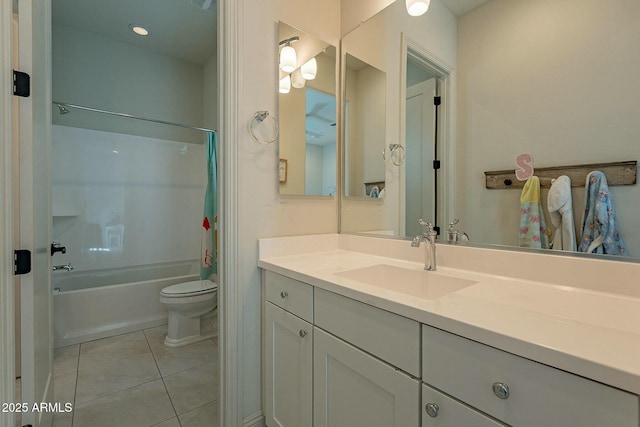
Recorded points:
121,200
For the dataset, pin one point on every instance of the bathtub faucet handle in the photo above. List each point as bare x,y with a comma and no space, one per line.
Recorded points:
67,267
56,247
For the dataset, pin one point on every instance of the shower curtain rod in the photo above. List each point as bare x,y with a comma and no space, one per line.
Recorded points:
130,116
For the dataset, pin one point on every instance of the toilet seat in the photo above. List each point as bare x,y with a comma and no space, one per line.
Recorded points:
187,289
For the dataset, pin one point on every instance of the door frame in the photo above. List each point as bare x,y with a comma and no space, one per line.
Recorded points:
446,124
230,310
7,324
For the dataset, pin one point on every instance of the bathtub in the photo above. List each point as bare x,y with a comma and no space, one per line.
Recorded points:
89,305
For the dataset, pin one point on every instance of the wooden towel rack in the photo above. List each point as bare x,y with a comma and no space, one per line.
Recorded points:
617,173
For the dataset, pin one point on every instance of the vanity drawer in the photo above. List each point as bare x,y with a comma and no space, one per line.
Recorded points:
294,296
390,337
532,394
440,410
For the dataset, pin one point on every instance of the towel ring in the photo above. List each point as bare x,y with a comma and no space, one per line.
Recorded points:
257,119
393,149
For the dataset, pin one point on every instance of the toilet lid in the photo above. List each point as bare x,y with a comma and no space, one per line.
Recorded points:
189,288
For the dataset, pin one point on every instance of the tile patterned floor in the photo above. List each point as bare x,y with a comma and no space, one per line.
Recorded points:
134,380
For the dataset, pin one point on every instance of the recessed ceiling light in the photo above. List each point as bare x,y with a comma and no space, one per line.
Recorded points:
139,29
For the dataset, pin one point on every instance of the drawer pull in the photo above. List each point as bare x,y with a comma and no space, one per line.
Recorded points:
432,409
303,333
284,294
501,390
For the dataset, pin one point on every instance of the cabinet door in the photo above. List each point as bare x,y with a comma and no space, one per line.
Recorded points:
288,362
354,389
439,410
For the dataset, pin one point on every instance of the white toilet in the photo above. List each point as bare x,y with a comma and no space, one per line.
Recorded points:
187,303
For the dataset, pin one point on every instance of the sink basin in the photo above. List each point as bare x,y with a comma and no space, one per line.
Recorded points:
418,283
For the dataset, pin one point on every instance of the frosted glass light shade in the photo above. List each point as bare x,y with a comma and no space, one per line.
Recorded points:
297,80
309,69
288,60
417,7
285,84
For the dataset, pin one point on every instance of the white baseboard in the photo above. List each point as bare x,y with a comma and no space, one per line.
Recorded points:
254,420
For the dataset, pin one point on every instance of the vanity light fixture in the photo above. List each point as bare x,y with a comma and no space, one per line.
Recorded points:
139,29
288,58
285,84
309,69
297,80
417,7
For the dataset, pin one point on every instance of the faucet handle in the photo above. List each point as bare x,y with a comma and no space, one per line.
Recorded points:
427,225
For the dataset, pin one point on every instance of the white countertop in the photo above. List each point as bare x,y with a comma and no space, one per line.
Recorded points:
582,330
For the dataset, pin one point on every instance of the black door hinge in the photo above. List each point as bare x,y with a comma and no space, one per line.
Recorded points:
21,261
436,164
21,84
437,100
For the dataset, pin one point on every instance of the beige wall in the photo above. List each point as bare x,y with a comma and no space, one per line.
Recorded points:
261,211
91,70
557,79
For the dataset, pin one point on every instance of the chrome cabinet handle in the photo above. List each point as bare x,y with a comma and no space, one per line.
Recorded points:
303,333
501,390
432,409
284,294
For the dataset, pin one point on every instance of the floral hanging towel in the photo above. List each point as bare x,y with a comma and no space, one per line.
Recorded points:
533,229
600,233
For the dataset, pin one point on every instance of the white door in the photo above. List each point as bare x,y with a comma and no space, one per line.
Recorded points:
35,209
354,389
288,364
420,147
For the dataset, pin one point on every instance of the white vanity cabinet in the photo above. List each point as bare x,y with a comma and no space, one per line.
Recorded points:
518,391
288,352
334,361
359,365
363,358
354,389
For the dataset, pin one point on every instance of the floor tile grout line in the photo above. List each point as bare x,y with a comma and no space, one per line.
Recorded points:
199,407
75,389
119,391
161,377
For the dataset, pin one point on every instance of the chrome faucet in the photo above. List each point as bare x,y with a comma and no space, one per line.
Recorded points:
429,237
67,267
454,235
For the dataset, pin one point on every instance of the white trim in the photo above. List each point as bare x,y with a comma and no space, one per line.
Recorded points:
230,30
7,339
446,126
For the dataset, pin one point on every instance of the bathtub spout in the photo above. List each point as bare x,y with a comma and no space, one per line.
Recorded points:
67,267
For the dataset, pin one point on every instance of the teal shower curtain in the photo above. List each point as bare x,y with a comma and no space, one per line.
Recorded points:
209,250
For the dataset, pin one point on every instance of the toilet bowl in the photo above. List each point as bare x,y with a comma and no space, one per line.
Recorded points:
187,303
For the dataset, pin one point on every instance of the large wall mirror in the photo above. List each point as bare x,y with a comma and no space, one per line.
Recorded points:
555,79
307,114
